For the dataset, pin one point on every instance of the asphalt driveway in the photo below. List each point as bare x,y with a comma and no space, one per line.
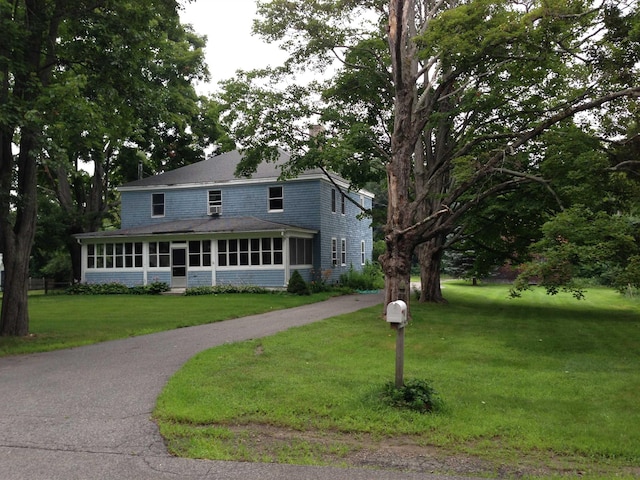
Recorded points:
85,413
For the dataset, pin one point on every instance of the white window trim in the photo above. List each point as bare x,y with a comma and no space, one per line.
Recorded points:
343,252
269,198
164,205
363,249
334,251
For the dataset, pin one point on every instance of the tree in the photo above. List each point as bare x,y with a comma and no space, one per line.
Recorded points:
450,98
76,79
146,117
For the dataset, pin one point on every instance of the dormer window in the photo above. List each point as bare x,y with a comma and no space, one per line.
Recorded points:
276,199
215,202
157,204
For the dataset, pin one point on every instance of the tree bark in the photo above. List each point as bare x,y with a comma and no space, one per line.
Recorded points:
17,240
430,258
35,60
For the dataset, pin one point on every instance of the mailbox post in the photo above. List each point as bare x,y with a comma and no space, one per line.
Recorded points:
397,318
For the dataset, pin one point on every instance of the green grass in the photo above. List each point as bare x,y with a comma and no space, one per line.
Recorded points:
63,321
540,380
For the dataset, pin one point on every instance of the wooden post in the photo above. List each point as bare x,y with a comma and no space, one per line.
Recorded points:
399,356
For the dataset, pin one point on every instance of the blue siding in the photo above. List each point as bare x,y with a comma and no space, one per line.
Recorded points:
130,279
251,200
263,278
199,278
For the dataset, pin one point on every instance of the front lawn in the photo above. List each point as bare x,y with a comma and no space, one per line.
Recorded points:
536,386
64,321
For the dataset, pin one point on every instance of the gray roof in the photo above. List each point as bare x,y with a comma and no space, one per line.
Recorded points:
217,169
199,225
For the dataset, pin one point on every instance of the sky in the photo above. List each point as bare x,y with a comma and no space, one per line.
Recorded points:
230,45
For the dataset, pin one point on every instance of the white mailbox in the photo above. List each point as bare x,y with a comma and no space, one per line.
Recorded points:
397,313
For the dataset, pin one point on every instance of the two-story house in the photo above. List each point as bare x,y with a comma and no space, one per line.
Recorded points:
201,225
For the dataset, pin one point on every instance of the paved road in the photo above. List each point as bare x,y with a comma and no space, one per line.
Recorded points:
84,413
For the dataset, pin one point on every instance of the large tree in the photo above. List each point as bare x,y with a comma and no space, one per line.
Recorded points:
78,79
145,117
448,97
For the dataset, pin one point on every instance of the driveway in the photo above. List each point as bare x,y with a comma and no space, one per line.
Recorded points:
85,413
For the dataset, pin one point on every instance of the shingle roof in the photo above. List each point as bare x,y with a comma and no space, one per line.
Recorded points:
199,225
217,169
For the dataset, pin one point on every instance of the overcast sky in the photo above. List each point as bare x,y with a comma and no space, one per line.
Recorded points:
230,45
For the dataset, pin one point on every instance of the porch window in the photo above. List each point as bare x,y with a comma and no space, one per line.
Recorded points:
159,254
200,253
300,251
114,255
276,199
250,252
157,204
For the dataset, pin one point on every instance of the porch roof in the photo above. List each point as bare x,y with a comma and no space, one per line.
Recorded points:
219,225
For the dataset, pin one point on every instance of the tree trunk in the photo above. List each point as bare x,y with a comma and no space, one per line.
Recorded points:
430,258
17,240
15,315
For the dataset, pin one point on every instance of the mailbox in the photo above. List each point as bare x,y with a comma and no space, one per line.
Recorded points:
397,313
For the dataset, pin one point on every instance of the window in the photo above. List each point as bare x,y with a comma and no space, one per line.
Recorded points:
334,251
343,207
114,255
157,204
159,254
300,251
215,202
333,200
250,252
276,199
343,251
363,256
200,253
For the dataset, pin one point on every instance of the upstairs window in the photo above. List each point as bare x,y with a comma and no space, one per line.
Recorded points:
333,200
215,202
343,207
157,204
276,199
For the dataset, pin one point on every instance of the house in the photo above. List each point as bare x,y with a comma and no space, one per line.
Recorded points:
200,225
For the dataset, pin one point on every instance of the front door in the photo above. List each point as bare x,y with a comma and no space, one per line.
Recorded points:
178,267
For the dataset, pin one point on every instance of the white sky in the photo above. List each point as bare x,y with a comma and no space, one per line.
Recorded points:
230,45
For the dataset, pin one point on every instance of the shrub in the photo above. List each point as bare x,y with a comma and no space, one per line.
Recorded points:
416,395
297,285
369,278
115,288
225,288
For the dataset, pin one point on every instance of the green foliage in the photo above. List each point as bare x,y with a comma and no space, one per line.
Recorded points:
115,288
415,394
369,278
225,289
297,285
580,243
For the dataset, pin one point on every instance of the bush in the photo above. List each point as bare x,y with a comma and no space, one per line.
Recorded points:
370,278
225,288
416,395
115,288
297,285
